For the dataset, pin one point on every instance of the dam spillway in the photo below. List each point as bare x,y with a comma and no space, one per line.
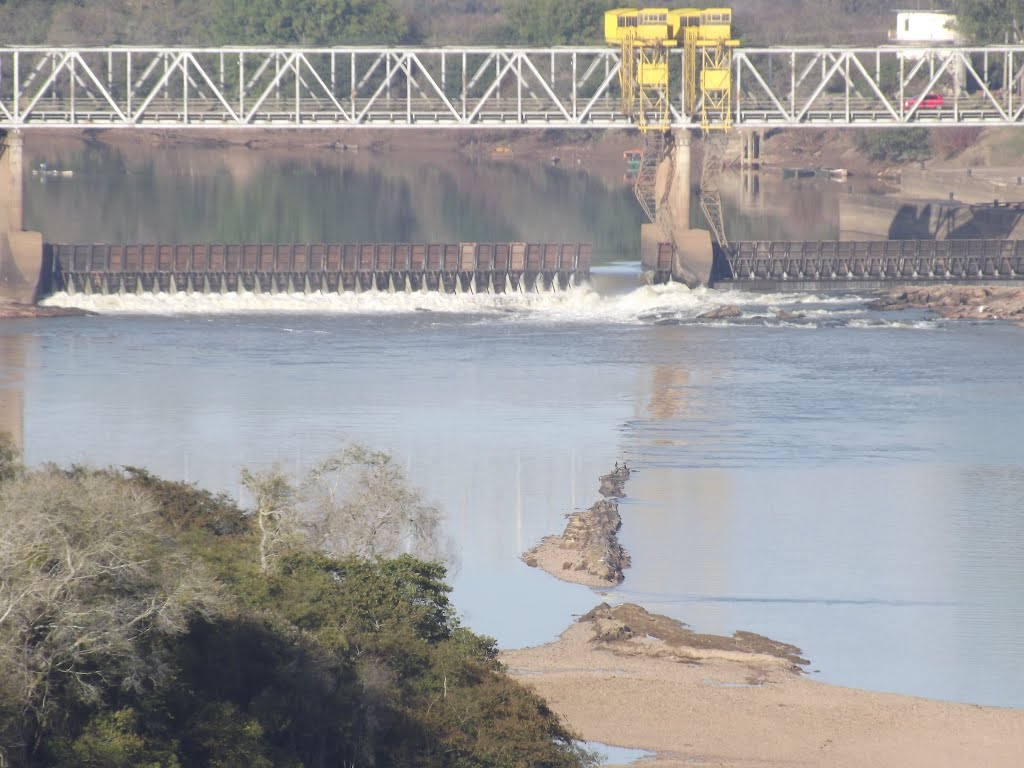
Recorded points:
314,267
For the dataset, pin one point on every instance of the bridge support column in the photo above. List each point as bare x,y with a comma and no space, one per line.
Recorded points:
11,175
750,149
691,262
21,253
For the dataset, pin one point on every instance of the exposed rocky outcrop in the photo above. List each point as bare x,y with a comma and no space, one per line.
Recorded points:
632,630
613,484
785,314
588,551
975,302
723,312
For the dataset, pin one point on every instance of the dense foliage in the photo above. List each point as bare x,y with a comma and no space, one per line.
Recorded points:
368,22
553,22
310,22
904,145
138,628
991,21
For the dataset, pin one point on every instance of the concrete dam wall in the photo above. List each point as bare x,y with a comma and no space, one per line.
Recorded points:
310,267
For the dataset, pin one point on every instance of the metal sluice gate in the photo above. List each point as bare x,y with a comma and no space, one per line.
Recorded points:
312,267
884,261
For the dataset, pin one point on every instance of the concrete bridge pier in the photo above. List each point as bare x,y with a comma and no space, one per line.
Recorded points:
21,252
693,253
750,149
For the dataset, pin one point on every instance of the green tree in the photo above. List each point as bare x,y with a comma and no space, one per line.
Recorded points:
10,462
310,22
900,145
113,740
991,21
555,22
318,660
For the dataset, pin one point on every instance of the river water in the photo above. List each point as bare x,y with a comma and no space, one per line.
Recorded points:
845,480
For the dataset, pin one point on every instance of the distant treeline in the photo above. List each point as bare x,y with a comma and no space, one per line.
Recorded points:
150,624
376,22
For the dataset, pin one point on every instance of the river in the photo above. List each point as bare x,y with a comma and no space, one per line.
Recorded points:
841,479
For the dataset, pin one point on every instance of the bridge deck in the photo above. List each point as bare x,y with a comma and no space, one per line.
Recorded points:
479,87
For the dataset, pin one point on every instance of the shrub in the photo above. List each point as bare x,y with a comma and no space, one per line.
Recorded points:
900,145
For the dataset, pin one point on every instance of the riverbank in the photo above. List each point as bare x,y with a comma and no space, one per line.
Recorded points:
725,702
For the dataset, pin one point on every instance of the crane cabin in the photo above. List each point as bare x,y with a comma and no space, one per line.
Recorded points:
643,26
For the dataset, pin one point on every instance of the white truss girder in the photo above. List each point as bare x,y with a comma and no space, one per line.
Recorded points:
880,86
480,87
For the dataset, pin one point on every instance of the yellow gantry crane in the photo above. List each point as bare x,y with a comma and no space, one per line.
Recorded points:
646,35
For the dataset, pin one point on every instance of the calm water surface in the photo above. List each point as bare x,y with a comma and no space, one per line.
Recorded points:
847,481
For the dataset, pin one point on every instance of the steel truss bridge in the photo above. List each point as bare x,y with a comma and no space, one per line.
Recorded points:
474,87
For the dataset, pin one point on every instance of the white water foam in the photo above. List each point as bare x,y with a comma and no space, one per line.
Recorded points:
650,304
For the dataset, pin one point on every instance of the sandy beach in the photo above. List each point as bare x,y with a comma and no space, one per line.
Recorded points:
700,702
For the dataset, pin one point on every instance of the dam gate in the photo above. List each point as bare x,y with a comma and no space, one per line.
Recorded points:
312,267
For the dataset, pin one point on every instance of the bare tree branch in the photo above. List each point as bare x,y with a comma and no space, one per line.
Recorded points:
85,573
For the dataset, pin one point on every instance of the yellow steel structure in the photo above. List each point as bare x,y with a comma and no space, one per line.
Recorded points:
688,29
715,42
646,35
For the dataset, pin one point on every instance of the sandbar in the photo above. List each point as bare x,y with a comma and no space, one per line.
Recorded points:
709,704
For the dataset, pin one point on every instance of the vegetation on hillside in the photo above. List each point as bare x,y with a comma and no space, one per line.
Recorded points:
902,146
991,21
150,623
369,22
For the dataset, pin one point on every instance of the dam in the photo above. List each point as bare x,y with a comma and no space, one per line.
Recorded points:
312,267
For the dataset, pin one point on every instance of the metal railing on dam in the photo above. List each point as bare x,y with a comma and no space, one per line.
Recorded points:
838,263
310,267
492,87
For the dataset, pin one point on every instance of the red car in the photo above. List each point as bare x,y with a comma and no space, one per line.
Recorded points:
931,101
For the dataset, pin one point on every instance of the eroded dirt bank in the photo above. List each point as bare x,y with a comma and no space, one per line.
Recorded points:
626,677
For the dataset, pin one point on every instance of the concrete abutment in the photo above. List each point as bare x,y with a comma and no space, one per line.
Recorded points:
21,252
693,252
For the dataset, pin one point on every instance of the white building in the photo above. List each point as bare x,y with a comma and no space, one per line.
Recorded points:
925,28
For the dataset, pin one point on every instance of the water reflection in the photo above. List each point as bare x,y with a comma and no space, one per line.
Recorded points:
761,205
668,392
234,194
186,193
